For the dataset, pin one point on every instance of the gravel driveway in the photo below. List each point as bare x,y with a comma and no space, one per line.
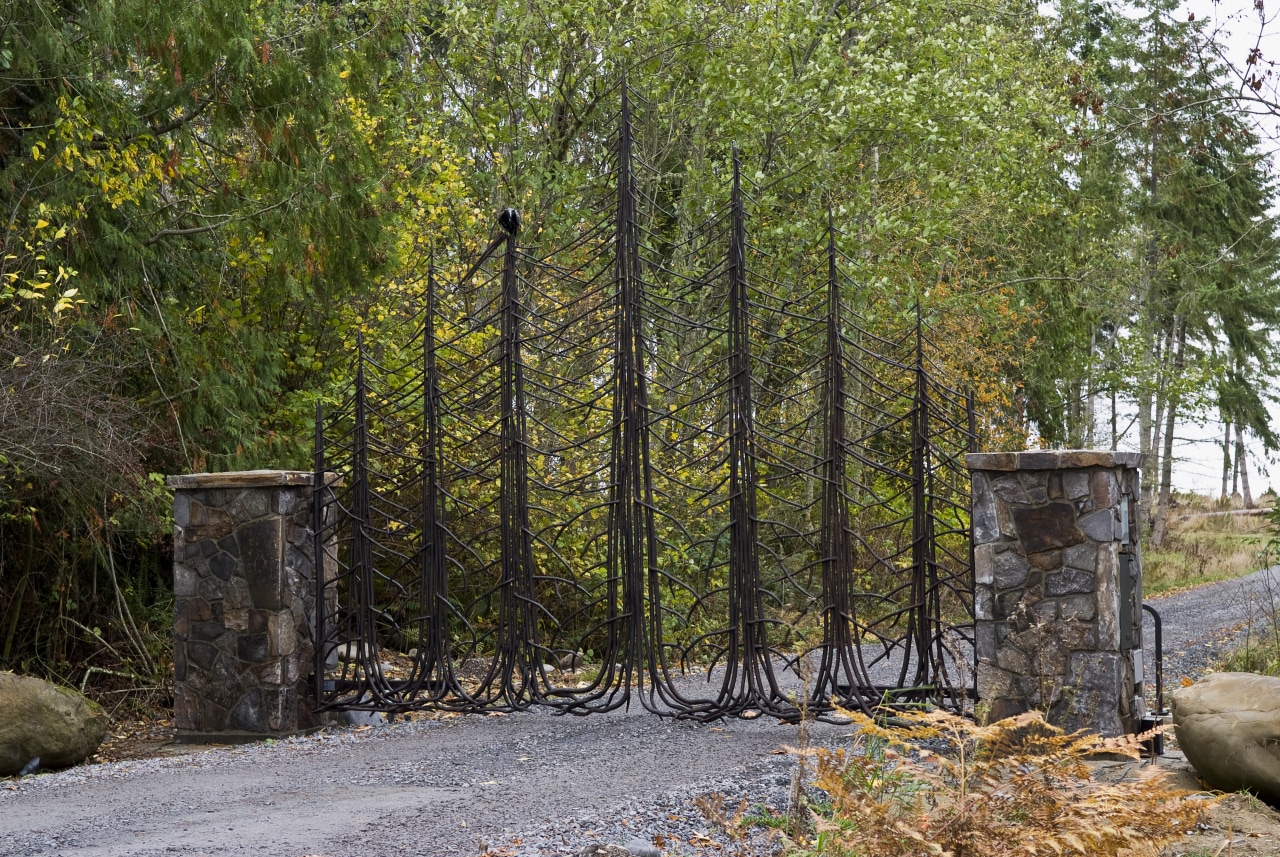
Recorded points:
1201,624
527,784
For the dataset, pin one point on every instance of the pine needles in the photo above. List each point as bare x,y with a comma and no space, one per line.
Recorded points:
1015,788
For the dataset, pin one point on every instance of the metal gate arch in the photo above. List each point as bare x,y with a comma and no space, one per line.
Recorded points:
645,466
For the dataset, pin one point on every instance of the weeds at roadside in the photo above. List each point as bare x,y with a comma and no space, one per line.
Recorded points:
1206,544
1016,787
1259,650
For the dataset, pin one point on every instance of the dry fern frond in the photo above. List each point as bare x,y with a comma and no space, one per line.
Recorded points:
1019,786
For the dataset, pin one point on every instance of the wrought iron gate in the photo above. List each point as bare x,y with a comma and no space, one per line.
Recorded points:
647,465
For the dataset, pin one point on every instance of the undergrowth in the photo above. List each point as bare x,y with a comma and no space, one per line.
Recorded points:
1015,787
1259,649
1206,543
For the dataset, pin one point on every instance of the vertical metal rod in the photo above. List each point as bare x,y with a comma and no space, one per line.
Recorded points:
361,513
839,647
318,488
434,586
517,623
748,644
971,583
918,621
632,511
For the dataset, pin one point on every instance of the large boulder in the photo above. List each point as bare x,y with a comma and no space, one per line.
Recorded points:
1228,725
42,720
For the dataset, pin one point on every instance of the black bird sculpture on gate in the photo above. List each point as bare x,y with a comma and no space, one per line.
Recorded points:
509,220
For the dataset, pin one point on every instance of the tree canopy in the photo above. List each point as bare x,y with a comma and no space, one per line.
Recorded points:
206,202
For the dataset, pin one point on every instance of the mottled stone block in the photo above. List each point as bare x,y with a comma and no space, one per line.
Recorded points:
991,461
1105,489
1069,581
236,620
202,655
213,717
185,581
983,603
984,564
1009,570
1108,598
1008,487
260,556
1080,608
186,708
222,566
252,648
1056,490
986,528
984,637
1082,556
1091,694
1047,527
249,714
207,631
1075,484
1099,525
181,509
1035,486
1076,636
285,501
1045,560
250,504
1013,660
197,482
207,524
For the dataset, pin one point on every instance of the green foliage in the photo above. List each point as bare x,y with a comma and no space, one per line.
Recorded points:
1156,276
206,203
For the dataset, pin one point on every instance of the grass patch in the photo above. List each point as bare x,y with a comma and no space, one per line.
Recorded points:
1259,651
1206,543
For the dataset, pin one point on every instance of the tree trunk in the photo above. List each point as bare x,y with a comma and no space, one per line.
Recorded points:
1115,436
1242,467
1226,459
1159,526
1090,435
1152,400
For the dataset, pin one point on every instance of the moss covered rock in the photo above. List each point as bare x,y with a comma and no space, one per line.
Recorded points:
41,720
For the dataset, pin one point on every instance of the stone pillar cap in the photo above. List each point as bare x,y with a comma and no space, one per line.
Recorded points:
1051,459
242,479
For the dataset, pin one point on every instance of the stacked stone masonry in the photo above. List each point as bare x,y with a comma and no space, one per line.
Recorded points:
1058,590
244,604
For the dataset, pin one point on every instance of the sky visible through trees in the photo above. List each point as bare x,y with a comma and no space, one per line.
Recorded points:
1238,27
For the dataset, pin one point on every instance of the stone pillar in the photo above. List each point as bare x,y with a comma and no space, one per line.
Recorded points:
244,603
1058,589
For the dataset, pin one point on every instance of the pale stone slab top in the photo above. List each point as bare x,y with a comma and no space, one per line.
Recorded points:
242,479
1051,459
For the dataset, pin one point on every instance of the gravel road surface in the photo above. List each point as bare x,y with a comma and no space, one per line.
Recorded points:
524,784
1200,624
425,788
